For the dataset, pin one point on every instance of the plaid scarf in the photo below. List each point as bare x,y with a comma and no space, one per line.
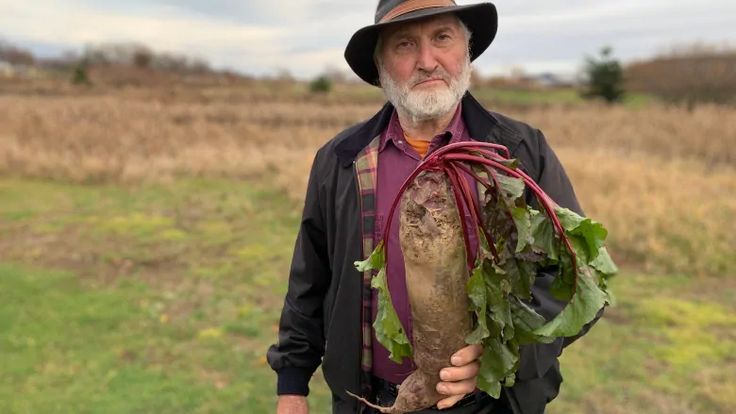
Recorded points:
366,167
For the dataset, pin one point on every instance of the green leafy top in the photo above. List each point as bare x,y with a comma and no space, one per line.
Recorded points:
517,242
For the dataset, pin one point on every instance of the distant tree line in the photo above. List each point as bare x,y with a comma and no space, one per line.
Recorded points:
108,54
141,56
692,74
15,55
689,75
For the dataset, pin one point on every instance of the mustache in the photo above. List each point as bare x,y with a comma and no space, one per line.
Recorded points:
437,74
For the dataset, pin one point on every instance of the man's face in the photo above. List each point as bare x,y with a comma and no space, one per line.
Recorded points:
424,66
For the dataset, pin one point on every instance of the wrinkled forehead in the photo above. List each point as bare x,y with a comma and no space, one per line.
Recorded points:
428,24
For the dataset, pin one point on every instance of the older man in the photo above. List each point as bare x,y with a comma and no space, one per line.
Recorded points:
419,53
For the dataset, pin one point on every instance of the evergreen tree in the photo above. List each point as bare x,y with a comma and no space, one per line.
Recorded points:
604,77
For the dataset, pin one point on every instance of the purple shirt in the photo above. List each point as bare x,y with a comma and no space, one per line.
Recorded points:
396,161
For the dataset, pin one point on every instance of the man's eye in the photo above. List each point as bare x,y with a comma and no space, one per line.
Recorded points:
404,45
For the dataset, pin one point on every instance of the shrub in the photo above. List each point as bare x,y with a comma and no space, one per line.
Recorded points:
79,76
320,85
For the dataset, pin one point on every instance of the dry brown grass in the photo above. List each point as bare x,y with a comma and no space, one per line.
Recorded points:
662,179
662,215
707,133
130,138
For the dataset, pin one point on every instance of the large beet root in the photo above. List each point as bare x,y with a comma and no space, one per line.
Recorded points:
432,243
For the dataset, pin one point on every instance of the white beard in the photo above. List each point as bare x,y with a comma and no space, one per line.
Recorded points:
424,105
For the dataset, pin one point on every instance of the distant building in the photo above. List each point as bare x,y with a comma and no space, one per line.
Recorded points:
551,80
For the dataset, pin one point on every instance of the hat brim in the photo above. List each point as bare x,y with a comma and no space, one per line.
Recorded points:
481,19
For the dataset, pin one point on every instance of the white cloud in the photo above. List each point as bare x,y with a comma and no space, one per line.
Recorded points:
621,16
306,36
42,21
283,11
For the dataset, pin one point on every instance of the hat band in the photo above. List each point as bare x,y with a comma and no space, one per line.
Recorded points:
413,5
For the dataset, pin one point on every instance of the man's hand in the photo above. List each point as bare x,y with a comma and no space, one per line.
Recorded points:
462,377
292,404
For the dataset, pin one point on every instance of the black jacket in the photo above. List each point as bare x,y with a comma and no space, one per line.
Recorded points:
320,322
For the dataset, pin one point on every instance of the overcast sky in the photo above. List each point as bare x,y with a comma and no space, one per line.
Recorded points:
307,36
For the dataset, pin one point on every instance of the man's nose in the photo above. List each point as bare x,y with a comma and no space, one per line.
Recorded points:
426,61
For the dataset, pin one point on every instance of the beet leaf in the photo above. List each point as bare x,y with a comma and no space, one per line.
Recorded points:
387,325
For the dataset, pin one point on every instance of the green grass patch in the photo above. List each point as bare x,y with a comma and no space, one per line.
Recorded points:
655,351
69,349
526,97
568,96
150,298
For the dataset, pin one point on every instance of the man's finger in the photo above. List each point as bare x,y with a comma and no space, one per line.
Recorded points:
460,373
449,402
457,387
466,355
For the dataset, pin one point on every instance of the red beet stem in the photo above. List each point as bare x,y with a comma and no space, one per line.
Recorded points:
546,202
466,145
473,206
460,200
460,156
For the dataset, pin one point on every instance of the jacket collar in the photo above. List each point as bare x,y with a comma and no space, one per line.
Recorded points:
482,126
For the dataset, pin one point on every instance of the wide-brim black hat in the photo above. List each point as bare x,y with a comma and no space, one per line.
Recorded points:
481,19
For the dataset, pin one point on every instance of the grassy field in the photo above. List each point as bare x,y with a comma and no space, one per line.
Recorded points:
145,237
163,298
